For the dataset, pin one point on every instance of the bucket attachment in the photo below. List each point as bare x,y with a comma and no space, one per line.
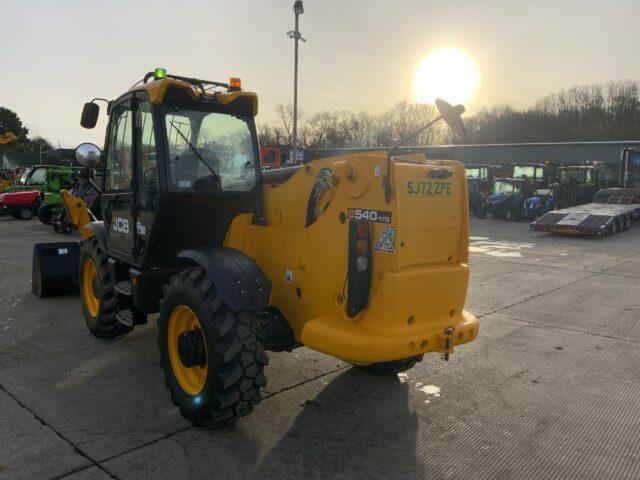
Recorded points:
55,268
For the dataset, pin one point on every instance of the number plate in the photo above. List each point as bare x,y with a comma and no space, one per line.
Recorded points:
378,216
424,188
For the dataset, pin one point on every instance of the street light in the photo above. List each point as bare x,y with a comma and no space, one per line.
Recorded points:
298,9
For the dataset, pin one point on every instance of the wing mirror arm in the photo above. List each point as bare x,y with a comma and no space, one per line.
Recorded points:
450,114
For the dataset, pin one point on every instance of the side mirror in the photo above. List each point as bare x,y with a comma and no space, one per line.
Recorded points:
90,114
88,155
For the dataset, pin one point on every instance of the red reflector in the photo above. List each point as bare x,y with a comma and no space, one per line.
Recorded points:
363,229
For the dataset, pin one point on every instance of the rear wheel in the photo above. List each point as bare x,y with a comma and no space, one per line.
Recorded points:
25,213
212,358
46,213
98,292
391,368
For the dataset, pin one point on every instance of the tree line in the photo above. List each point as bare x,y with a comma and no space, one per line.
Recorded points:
596,112
11,122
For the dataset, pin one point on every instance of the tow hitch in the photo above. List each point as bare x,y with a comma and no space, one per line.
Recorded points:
448,348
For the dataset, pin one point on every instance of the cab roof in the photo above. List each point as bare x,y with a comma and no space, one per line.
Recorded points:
197,90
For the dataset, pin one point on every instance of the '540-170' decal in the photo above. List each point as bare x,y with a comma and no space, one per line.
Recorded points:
379,216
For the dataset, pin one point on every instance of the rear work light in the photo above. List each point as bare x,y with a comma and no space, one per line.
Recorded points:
359,269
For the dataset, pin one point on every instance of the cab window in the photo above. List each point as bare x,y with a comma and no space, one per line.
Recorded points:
209,151
38,176
119,155
146,153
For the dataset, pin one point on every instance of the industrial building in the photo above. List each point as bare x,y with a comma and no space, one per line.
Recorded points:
570,153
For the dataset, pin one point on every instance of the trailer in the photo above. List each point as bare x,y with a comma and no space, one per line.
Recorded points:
612,210
595,219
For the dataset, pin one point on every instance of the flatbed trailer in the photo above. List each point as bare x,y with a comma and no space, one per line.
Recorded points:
593,219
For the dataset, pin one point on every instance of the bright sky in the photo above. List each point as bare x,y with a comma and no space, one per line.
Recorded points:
360,54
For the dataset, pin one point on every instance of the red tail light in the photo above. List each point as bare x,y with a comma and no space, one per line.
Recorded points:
359,271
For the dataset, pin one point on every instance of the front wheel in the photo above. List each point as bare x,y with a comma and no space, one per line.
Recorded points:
98,292
212,357
392,368
480,210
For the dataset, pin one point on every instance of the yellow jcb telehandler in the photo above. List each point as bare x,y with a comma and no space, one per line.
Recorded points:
362,256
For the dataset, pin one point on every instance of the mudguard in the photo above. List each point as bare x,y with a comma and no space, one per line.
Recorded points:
101,234
240,282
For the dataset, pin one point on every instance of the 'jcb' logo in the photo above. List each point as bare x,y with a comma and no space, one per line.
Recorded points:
121,225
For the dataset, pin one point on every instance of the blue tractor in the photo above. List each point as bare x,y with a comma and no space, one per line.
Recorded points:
516,198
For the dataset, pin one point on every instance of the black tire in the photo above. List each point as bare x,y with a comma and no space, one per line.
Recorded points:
392,368
481,210
104,324
46,213
24,213
626,222
234,375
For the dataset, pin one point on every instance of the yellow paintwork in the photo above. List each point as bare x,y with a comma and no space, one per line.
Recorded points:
417,292
158,89
4,184
191,379
89,275
79,213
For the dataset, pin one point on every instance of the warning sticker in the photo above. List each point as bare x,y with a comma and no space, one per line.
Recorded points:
386,241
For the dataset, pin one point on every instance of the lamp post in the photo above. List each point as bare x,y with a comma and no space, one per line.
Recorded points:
298,9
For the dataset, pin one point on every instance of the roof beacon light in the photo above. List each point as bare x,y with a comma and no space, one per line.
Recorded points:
235,84
159,74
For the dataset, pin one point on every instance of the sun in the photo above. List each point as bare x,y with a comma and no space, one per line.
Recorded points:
448,73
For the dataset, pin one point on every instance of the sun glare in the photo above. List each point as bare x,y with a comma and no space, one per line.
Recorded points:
447,73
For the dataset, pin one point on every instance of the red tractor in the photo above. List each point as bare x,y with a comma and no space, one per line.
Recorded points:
21,205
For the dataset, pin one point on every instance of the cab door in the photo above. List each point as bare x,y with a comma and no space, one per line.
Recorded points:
146,176
117,196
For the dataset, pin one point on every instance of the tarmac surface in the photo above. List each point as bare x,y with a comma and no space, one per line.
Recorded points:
550,389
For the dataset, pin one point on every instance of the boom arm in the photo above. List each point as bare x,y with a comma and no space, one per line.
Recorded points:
79,214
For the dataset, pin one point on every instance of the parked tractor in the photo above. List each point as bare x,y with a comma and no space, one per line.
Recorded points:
21,205
54,211
478,188
541,175
516,198
362,256
576,185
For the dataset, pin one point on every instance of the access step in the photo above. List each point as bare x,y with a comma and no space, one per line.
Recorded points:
124,288
131,318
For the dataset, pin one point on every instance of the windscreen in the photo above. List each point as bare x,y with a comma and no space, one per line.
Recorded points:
209,151
579,175
476,172
504,187
521,172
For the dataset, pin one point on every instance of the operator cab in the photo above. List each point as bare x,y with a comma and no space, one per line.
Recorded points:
180,162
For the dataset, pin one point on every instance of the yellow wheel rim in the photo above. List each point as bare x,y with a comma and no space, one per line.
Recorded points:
191,379
90,287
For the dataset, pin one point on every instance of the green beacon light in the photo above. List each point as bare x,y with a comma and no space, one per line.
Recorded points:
159,73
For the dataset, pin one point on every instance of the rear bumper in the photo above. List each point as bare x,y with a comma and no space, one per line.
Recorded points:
414,311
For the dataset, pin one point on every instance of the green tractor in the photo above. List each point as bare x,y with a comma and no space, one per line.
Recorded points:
48,180
78,180
576,185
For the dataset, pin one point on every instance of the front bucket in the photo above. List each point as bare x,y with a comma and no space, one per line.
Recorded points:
55,268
